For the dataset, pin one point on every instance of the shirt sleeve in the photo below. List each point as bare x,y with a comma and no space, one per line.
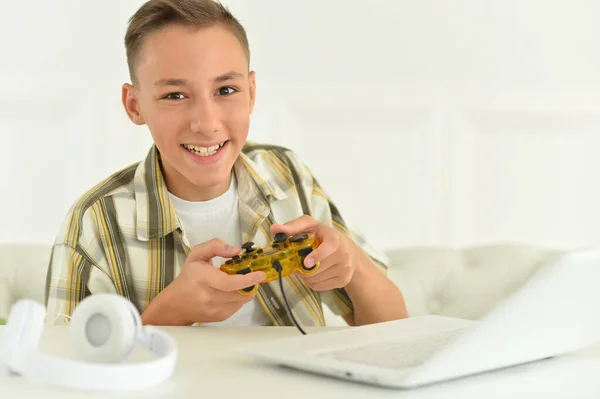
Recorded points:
72,276
322,207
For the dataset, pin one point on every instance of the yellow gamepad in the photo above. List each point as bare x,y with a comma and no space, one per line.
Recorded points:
285,253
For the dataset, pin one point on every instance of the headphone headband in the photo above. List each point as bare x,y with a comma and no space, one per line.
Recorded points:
22,355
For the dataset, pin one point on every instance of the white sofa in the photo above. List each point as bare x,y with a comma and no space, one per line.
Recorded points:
22,273
459,282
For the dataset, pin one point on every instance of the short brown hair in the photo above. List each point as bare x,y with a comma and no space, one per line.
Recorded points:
156,14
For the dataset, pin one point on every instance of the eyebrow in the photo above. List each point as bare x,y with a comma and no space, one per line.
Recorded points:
228,76
171,82
183,82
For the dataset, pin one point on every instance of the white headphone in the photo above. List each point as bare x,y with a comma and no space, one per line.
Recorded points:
104,329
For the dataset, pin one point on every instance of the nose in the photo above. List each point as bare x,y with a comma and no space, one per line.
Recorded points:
205,118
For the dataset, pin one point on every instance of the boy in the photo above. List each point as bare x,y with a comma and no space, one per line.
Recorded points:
154,232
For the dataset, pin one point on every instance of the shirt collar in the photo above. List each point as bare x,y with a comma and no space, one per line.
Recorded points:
155,215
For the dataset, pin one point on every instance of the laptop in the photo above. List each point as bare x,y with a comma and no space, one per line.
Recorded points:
555,312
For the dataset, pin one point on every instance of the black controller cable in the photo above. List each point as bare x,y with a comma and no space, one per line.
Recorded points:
277,266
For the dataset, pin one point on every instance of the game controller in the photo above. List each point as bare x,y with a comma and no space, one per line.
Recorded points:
285,254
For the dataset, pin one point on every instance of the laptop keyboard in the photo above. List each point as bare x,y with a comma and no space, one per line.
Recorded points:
394,354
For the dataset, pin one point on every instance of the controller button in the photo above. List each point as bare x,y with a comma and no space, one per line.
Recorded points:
244,271
279,237
275,245
235,257
260,251
255,257
238,261
299,237
305,251
228,262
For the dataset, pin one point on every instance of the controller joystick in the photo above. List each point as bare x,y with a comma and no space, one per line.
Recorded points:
248,246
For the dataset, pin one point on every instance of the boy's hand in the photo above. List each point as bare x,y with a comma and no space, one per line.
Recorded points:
336,253
202,292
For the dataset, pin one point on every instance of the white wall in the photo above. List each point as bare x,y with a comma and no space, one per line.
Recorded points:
429,122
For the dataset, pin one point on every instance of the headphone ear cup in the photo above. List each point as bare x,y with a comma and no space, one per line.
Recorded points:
23,332
104,328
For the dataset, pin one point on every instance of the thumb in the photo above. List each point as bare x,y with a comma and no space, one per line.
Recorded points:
207,250
303,224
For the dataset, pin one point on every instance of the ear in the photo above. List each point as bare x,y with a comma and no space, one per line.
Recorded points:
252,85
131,104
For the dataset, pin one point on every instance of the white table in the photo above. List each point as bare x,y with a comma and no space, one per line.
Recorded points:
209,367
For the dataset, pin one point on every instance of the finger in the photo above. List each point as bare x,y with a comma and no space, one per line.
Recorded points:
230,297
224,282
323,266
303,224
222,305
328,247
205,251
329,284
233,298
331,267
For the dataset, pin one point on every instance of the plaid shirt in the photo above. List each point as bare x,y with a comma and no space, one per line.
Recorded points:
123,236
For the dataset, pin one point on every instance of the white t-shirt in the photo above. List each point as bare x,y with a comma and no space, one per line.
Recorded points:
218,218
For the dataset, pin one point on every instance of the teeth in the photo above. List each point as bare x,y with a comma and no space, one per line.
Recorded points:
203,151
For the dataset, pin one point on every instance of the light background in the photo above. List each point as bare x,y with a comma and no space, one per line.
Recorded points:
428,122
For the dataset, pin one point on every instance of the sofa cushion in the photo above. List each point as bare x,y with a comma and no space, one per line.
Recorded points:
458,282
24,266
465,282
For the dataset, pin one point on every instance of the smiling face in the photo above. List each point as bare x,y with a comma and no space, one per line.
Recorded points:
195,93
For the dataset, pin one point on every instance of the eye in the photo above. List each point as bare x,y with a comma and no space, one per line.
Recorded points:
174,96
226,91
